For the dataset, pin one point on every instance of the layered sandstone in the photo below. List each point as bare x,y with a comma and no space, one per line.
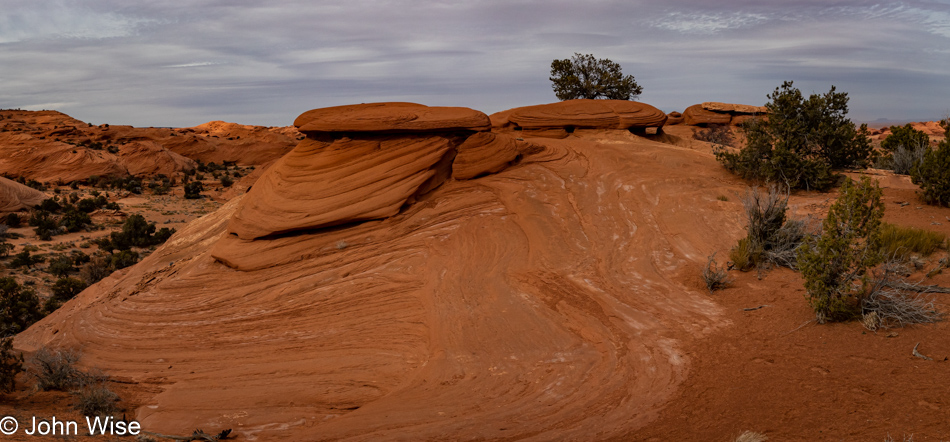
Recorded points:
15,196
556,120
721,113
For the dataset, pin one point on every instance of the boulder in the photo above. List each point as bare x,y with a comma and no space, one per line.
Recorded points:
674,118
696,115
391,118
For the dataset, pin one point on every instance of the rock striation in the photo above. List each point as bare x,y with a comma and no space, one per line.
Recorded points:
557,120
365,162
15,196
721,113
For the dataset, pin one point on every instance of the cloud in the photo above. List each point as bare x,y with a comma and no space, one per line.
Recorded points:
169,63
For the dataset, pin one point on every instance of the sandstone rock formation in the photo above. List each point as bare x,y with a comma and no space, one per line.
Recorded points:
15,196
674,118
52,146
365,162
556,120
547,301
721,113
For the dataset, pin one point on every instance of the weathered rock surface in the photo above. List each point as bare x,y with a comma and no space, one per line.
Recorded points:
674,118
364,162
556,120
712,112
15,196
51,146
547,301
391,118
486,153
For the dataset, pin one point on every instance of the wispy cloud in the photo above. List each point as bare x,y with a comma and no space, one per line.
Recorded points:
708,23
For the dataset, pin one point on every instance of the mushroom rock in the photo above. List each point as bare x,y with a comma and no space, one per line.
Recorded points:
358,163
712,112
486,153
674,118
555,120
390,118
696,115
15,196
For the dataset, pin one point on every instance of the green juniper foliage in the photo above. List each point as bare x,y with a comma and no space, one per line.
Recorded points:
583,76
847,247
933,173
801,142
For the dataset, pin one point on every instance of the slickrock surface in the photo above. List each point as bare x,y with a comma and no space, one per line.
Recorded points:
547,301
556,120
51,146
15,196
390,118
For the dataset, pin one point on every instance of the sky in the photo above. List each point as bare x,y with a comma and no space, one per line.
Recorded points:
186,62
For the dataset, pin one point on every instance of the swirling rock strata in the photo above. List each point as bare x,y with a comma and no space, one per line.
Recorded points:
15,196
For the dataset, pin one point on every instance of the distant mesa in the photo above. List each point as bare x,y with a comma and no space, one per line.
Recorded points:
557,120
15,196
712,112
366,161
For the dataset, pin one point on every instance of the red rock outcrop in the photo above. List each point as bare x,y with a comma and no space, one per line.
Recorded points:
721,113
15,196
51,146
546,301
362,162
556,120
674,118
486,153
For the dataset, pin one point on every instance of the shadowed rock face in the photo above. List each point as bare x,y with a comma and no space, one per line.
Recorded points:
15,196
556,120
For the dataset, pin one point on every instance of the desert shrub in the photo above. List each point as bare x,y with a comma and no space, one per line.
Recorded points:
847,247
45,225
771,238
5,248
11,364
19,307
67,288
899,241
227,181
193,190
583,76
715,277
905,136
933,173
55,369
137,232
891,305
124,258
98,267
904,159
801,142
61,266
13,220
49,205
25,259
74,220
94,398
718,134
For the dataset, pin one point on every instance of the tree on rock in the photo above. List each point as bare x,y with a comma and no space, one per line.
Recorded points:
583,76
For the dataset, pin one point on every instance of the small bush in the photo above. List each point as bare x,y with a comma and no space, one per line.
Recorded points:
933,173
55,369
905,136
61,266
899,241
888,307
67,288
124,258
24,259
771,238
94,398
193,190
98,267
227,181
13,220
11,364
717,134
716,277
19,307
848,246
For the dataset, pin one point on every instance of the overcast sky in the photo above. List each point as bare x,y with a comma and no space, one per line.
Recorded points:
185,62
